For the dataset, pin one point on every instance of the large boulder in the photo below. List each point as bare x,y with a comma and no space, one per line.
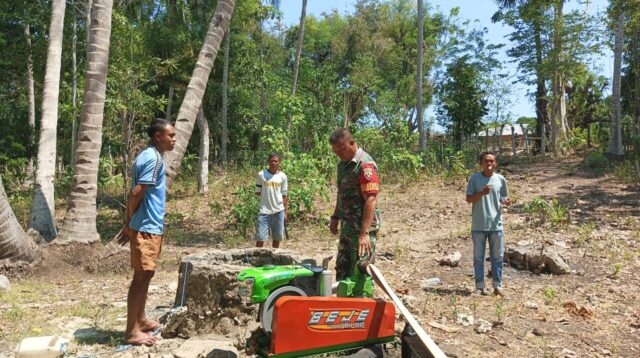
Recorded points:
536,260
207,300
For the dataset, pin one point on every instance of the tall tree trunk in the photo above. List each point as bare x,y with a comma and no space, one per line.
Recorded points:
615,140
203,155
14,242
542,113
32,103
557,80
419,109
42,220
126,122
296,63
193,98
80,221
224,138
169,104
88,6
74,41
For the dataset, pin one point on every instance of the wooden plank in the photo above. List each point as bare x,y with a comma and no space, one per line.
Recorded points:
433,348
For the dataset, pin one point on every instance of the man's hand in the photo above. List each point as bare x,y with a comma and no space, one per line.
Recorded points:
333,226
486,190
123,236
286,216
364,244
506,201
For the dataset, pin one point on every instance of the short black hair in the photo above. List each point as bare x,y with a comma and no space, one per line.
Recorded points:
158,125
273,154
485,153
339,135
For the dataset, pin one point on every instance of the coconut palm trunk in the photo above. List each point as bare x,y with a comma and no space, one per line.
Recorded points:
32,102
419,75
615,140
218,26
296,62
203,153
80,221
42,219
14,242
224,138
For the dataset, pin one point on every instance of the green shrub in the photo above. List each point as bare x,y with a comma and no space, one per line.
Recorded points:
543,211
596,161
392,147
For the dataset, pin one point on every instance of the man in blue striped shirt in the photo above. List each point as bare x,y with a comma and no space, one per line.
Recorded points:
144,226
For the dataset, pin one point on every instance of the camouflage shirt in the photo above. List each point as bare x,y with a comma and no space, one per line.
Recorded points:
355,177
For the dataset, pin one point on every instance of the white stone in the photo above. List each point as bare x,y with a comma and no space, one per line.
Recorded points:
5,285
465,320
452,259
483,326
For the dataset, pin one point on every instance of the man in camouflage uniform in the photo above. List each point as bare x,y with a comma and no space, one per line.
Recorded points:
355,211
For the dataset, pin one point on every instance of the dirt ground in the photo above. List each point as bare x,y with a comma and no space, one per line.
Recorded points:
592,312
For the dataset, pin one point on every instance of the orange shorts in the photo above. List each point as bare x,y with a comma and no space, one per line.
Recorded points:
145,250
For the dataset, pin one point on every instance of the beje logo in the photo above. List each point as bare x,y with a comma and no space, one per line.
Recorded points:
338,319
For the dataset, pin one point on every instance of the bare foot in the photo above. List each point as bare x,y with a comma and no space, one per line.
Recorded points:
149,326
140,339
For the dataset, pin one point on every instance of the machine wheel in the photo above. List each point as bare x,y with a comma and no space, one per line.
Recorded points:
266,311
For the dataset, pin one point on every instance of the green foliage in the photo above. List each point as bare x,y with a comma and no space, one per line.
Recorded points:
106,176
542,211
306,184
585,233
576,138
244,210
627,171
391,146
596,161
463,101
550,294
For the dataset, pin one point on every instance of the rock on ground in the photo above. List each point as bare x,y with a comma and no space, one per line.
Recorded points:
5,285
452,259
531,259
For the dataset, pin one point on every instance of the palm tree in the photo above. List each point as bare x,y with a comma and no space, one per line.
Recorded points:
218,26
32,100
615,140
419,75
14,242
42,220
203,153
80,221
296,63
224,138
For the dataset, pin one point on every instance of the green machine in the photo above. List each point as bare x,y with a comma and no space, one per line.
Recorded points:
264,285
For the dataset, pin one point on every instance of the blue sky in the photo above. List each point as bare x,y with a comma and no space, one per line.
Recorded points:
482,10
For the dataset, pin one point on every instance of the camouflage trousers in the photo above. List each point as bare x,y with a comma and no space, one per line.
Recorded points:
348,259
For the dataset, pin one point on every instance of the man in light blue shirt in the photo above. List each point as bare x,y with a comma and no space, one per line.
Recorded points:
487,191
144,227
